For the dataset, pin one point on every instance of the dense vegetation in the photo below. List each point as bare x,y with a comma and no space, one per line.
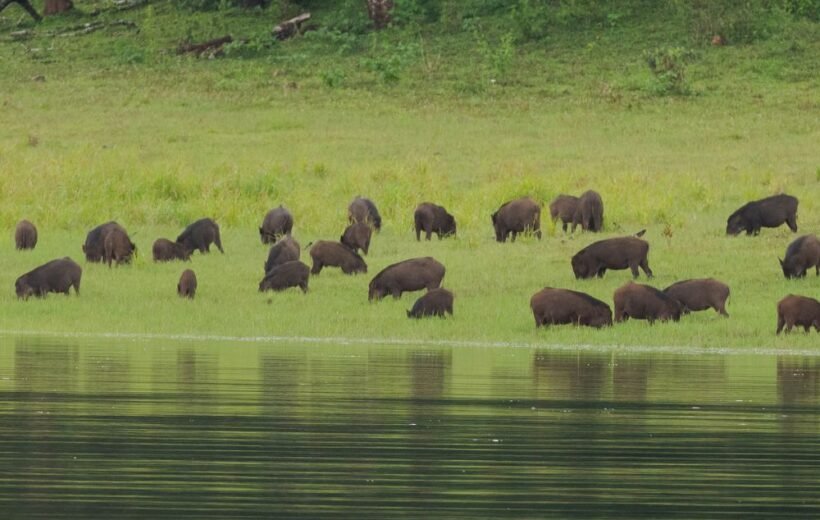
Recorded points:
465,103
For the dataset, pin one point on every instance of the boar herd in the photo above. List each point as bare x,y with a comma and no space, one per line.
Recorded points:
110,243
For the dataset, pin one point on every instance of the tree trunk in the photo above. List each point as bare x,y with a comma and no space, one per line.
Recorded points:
57,6
25,4
379,12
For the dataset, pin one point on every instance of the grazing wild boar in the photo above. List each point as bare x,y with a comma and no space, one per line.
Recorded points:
57,276
94,246
700,294
363,210
200,235
643,302
286,250
334,254
517,216
612,253
769,212
277,223
118,247
801,311
801,255
437,302
163,250
431,218
409,275
186,288
25,235
589,212
357,236
563,306
284,276
563,207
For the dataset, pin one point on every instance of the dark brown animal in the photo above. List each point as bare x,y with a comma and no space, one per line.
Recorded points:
278,222
286,250
283,276
431,218
517,216
437,302
25,235
700,294
94,246
643,302
118,247
563,306
357,236
186,288
200,235
164,250
589,212
801,255
798,310
364,210
410,275
769,212
334,254
563,207
612,253
57,276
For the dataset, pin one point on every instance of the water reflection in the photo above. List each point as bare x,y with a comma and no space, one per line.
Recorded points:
213,430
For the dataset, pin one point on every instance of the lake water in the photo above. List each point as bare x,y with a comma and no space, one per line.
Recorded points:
126,429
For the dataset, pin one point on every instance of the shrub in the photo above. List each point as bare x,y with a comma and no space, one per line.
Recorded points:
668,65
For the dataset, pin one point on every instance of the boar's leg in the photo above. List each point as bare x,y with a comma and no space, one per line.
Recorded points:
791,221
780,323
396,292
645,266
317,267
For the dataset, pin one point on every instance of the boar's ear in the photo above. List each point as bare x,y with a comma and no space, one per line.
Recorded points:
781,262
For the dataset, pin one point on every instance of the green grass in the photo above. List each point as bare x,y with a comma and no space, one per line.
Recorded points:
121,130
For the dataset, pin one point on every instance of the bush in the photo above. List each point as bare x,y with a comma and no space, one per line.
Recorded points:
738,21
668,65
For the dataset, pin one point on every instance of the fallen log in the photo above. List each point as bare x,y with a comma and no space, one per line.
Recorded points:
25,4
211,46
291,27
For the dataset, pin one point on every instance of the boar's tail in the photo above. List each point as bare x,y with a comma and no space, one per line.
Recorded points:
308,245
640,233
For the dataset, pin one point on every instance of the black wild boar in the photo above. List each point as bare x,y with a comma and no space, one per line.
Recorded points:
164,250
561,306
334,254
801,255
363,210
589,212
612,253
410,275
643,302
431,218
769,212
94,247
57,276
200,235
278,222
118,247
25,235
700,294
286,250
186,288
283,276
437,302
517,216
357,236
798,310
563,207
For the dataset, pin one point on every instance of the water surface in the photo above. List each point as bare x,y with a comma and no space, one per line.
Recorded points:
119,429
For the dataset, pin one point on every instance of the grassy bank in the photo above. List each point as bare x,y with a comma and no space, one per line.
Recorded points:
111,126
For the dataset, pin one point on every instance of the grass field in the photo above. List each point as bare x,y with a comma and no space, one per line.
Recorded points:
160,141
